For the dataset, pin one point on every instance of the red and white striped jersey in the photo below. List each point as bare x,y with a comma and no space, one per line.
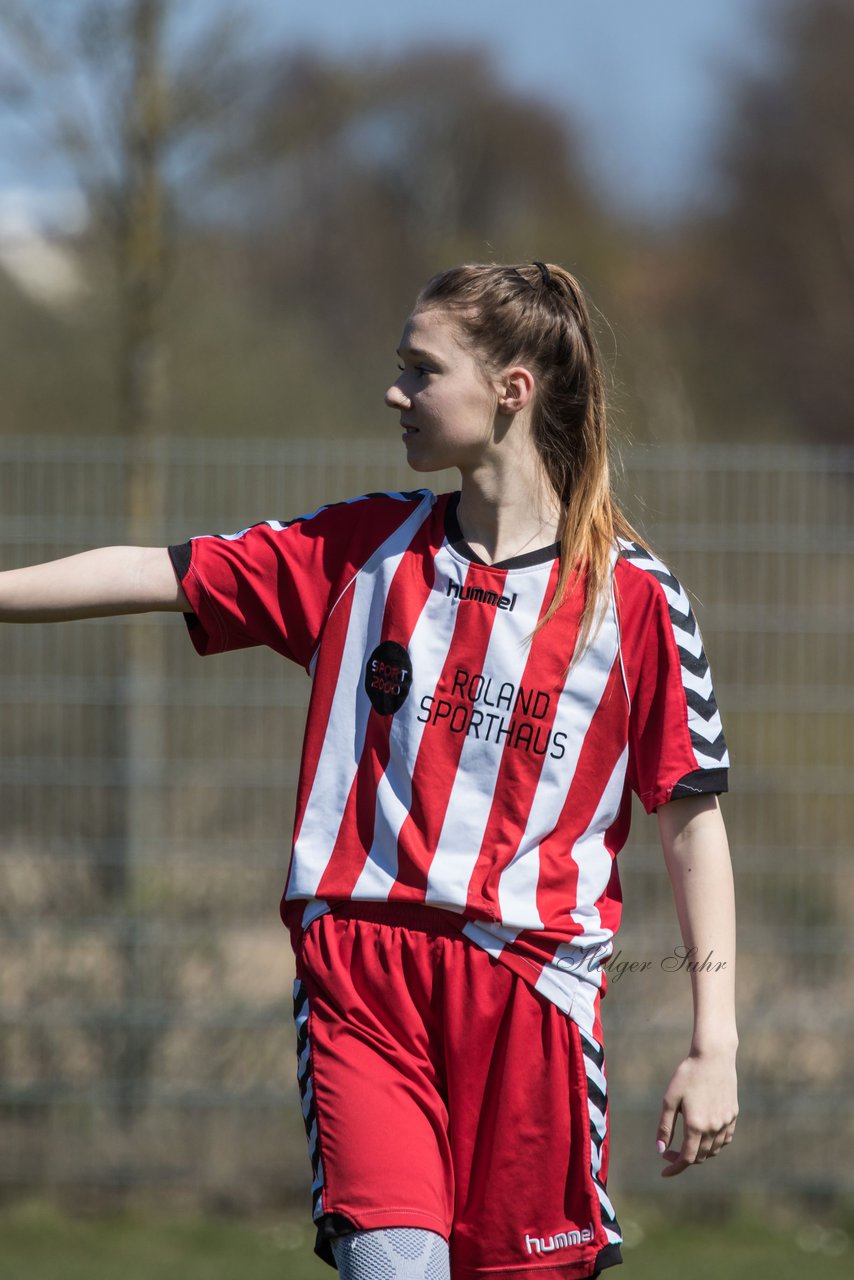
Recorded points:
449,758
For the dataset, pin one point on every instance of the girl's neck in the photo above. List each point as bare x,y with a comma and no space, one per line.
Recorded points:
505,516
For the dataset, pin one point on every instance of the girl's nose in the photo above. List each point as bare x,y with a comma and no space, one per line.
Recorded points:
395,399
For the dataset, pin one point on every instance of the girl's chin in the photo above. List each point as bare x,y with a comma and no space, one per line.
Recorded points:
424,464
416,455
420,457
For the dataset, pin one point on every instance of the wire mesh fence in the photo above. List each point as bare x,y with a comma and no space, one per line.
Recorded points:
146,803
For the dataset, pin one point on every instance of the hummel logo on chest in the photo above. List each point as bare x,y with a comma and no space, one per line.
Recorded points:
477,595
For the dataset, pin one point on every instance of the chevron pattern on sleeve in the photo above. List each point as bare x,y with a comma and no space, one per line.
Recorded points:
704,721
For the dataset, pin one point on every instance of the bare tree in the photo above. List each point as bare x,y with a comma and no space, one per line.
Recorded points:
370,175
780,257
135,96
433,144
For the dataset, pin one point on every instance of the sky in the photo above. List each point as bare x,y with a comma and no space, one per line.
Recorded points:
644,81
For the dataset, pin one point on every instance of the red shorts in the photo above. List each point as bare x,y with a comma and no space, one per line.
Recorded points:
441,1091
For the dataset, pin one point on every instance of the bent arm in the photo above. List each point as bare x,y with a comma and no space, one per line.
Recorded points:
93,584
703,1088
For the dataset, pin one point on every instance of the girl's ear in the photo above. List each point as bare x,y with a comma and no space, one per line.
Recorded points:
515,389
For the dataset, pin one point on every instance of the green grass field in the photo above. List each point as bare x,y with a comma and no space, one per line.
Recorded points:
39,1243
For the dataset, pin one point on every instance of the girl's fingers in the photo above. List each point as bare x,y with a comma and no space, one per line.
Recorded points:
697,1147
723,1138
666,1123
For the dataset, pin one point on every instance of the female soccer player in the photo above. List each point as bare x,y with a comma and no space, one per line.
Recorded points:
495,671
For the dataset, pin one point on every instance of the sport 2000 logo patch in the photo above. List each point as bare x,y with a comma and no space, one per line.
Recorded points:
388,677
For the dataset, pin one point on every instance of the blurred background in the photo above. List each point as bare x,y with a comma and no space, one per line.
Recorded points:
213,220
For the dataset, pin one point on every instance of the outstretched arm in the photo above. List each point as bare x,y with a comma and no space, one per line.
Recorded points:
703,1087
93,584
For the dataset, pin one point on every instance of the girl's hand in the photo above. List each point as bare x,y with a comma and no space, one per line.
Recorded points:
703,1090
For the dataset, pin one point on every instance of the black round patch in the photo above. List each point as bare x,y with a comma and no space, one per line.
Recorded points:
388,677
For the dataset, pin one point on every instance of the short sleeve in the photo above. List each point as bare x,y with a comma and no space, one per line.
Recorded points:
274,583
676,739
